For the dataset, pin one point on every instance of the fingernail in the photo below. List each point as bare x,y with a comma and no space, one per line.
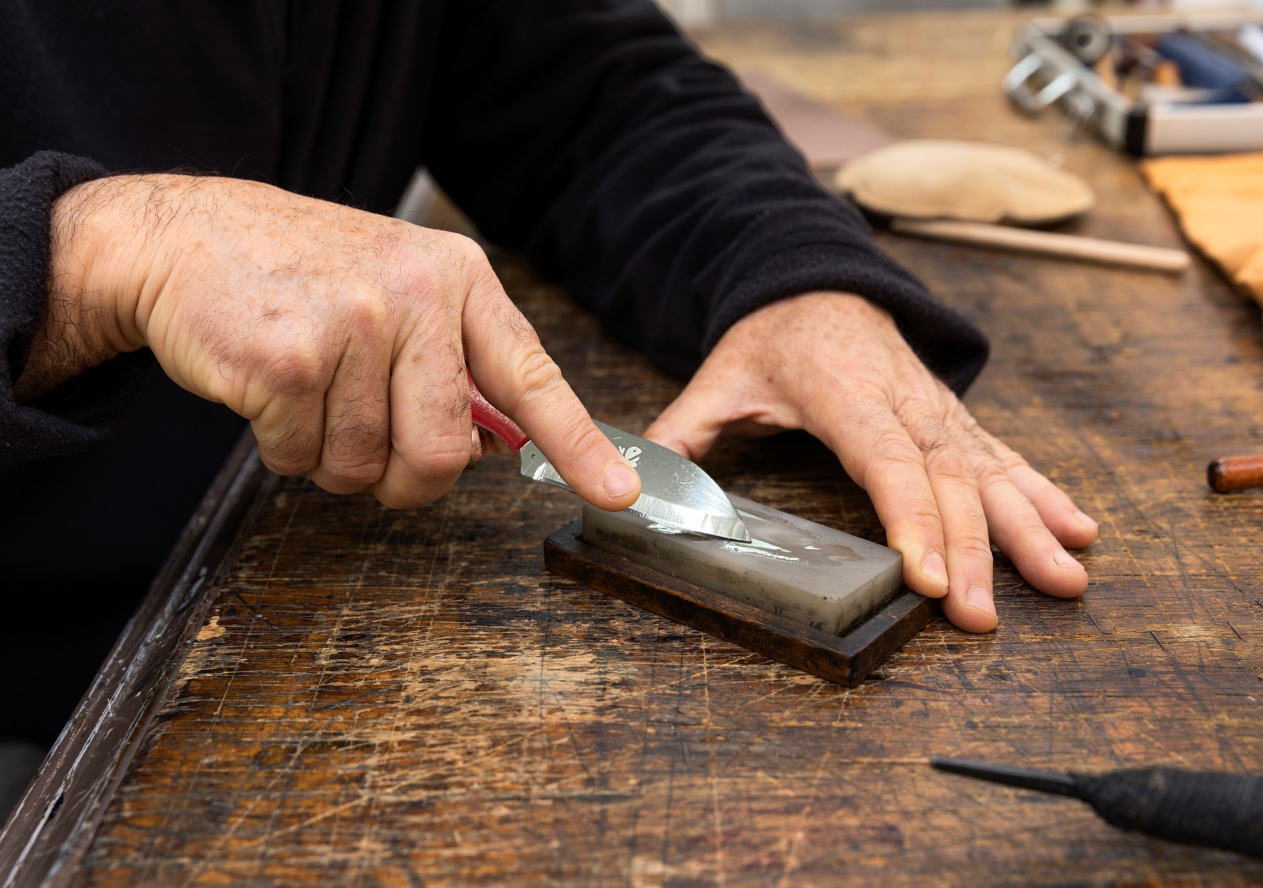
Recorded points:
620,480
1083,518
933,566
1063,558
979,597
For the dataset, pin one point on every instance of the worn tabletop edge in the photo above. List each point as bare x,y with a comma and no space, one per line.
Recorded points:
54,822
845,659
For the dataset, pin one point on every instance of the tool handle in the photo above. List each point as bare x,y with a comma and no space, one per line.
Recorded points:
1212,809
488,417
1235,473
1071,246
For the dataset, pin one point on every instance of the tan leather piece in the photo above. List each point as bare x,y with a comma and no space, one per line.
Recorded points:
1219,202
974,181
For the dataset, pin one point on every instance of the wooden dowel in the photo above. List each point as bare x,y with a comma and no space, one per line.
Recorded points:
1235,473
1067,245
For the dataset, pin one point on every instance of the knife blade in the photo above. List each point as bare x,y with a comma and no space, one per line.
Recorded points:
674,492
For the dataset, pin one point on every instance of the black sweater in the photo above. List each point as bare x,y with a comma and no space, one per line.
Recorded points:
587,134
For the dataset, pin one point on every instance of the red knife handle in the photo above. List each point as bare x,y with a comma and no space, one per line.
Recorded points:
487,417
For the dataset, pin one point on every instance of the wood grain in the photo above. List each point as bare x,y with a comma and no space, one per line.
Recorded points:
409,698
52,826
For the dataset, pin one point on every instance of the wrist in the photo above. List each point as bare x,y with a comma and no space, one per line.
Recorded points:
806,314
105,254
101,241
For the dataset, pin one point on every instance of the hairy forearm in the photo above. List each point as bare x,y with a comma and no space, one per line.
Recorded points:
101,236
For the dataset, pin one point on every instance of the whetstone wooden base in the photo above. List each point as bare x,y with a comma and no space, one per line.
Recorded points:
845,659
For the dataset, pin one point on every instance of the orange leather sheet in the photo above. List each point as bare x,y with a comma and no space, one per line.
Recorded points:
1219,202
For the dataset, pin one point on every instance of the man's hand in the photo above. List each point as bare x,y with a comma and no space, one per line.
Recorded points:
341,335
836,366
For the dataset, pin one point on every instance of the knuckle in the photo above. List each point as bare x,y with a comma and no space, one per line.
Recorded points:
443,254
466,248
892,453
286,466
355,437
394,498
1030,527
427,474
354,478
367,469
582,438
991,473
450,462
980,446
912,396
288,453
975,548
894,443
440,460
422,277
924,514
295,369
934,438
1014,461
947,467
364,311
892,469
538,375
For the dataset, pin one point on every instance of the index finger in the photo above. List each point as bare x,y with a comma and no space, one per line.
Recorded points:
516,375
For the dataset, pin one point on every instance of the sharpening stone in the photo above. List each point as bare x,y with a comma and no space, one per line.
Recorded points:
792,567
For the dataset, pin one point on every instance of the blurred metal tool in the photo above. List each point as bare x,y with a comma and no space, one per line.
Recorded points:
1055,70
1087,37
1017,84
1207,808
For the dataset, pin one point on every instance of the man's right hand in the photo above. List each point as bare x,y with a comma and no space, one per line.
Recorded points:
341,335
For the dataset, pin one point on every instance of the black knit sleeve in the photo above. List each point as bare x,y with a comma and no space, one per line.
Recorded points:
645,180
84,410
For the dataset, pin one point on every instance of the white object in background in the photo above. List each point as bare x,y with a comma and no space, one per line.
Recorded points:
1217,5
417,198
691,13
1204,129
1251,37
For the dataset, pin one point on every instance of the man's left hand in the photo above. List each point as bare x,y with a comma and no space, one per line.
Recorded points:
835,365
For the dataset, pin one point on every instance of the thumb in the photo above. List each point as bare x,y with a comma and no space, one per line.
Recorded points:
693,421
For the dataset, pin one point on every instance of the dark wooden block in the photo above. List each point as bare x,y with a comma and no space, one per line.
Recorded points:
845,659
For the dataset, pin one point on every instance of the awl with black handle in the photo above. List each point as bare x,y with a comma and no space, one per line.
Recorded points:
673,491
1207,808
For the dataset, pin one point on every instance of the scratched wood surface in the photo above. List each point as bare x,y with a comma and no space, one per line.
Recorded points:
408,698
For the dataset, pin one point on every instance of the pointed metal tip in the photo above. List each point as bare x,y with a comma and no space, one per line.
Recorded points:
1023,778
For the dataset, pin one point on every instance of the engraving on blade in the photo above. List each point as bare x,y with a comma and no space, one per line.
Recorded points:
673,491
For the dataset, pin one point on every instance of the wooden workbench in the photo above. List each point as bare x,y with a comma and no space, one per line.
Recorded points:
329,692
